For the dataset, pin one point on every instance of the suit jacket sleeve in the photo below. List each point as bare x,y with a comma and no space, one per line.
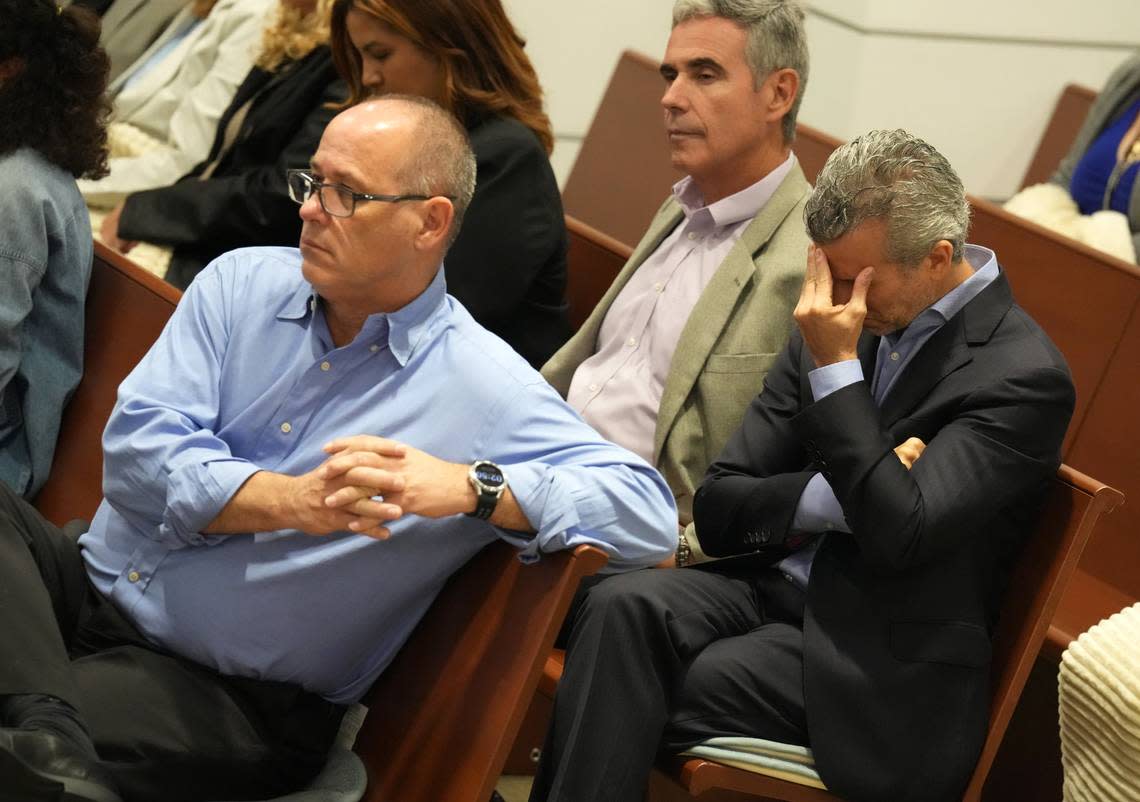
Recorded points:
999,445
233,210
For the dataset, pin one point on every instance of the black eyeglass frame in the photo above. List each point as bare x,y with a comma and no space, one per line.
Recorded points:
317,186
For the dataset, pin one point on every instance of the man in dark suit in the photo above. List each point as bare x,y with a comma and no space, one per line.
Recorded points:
874,498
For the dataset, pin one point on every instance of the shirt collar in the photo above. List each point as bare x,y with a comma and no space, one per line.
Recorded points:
740,206
984,263
401,330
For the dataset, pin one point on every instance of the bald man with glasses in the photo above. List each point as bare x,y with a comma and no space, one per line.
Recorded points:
318,439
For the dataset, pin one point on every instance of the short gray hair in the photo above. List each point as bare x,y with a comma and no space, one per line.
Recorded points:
896,177
442,162
776,39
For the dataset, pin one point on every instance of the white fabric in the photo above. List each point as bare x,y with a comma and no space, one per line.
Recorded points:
178,103
771,758
1099,688
1050,206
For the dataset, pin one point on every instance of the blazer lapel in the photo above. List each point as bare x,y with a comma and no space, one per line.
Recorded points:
948,349
713,310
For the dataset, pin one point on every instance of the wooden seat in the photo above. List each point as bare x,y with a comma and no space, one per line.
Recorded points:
126,310
1068,115
1048,561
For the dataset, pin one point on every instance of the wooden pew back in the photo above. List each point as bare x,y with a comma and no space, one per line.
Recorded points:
1071,109
126,310
592,263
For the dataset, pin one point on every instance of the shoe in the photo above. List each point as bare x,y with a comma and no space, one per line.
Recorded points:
36,765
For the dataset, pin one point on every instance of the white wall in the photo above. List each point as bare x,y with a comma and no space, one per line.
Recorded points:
977,78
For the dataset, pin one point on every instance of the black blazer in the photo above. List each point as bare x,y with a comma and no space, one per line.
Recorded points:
508,265
246,201
899,613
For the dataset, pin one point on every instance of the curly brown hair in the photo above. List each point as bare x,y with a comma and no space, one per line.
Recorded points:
485,68
52,89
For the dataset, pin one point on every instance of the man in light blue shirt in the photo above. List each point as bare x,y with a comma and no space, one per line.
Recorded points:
318,439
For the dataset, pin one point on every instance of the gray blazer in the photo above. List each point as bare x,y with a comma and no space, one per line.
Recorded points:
130,28
1121,91
733,335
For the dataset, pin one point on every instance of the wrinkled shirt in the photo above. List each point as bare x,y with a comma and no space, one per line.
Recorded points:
245,378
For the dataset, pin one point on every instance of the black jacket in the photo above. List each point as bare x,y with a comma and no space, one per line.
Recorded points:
245,202
899,613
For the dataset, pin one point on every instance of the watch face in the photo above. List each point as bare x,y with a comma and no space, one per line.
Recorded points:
488,474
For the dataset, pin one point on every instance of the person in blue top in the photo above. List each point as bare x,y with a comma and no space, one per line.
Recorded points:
52,78
1101,167
318,439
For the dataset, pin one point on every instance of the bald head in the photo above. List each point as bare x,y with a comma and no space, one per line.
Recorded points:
435,153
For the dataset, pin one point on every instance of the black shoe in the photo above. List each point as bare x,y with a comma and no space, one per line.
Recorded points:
36,765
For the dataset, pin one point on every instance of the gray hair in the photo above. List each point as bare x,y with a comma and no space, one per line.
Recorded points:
442,162
892,176
776,39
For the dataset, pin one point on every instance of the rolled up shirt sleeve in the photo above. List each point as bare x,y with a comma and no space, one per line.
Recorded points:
579,489
162,460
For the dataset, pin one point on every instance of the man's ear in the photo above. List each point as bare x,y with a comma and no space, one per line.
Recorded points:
435,223
784,86
940,260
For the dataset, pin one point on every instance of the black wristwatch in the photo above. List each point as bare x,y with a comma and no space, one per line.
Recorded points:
489,482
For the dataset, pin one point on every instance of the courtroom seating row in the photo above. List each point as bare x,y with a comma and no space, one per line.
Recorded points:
456,693
1087,301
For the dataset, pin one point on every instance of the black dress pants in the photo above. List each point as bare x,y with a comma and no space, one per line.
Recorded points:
167,728
663,659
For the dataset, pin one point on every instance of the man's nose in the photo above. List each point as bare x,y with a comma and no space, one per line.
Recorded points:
311,209
675,98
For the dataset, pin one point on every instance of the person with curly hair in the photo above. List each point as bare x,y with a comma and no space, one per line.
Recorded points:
508,266
52,80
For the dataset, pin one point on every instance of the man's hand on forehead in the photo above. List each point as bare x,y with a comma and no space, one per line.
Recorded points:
830,330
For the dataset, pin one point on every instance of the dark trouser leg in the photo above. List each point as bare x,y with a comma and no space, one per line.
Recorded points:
748,686
171,730
43,588
632,641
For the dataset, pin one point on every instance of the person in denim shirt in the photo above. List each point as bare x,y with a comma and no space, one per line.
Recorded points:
52,79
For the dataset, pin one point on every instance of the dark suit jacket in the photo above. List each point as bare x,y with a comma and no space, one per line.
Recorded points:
508,265
245,202
899,612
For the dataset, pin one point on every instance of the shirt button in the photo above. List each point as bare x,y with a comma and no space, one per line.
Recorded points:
374,348
593,388
286,427
133,576
659,287
325,366
632,342
894,356
692,235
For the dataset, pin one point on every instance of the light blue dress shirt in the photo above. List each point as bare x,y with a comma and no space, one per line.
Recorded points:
818,509
246,377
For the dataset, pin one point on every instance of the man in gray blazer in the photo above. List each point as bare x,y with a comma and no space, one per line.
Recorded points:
680,343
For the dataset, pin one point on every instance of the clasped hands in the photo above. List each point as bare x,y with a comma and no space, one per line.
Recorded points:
369,481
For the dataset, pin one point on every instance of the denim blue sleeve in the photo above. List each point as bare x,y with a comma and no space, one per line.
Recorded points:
162,461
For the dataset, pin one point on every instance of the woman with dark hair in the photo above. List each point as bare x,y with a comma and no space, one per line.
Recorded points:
508,265
52,80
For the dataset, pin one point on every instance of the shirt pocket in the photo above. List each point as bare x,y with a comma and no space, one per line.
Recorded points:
958,643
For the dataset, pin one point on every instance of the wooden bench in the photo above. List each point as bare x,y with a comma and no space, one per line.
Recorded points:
592,263
446,712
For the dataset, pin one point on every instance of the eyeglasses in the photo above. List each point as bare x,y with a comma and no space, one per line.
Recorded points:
338,200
